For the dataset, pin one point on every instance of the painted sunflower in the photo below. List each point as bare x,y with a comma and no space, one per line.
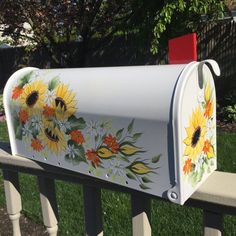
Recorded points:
64,103
195,135
32,98
52,137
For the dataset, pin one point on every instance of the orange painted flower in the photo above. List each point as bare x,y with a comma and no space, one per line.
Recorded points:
208,149
17,91
36,144
209,109
112,143
187,166
77,136
48,111
23,116
93,157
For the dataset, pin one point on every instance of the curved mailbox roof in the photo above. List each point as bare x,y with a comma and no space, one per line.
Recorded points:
125,125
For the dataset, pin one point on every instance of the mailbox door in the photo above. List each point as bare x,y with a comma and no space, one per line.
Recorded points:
195,133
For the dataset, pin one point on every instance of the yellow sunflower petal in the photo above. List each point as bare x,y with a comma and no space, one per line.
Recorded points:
187,151
195,134
208,92
189,131
65,103
210,153
187,141
33,96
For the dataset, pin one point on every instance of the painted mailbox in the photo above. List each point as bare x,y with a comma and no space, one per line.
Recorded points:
149,128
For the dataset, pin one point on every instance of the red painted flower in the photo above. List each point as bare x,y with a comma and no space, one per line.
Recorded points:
187,166
17,91
48,111
36,144
23,116
77,136
93,157
112,143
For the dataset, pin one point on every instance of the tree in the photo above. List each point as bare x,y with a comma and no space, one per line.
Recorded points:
47,24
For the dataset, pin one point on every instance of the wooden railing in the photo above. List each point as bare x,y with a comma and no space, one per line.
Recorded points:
217,196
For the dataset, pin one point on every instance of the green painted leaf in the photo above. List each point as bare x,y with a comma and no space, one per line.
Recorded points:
119,133
146,180
130,126
53,83
67,156
16,122
81,152
19,132
143,186
17,128
155,159
25,79
96,137
35,133
136,136
77,123
123,158
130,175
71,142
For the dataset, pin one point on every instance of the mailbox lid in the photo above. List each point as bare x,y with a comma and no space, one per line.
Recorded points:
194,127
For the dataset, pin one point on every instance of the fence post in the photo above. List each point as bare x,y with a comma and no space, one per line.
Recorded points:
141,215
212,223
48,204
13,199
93,211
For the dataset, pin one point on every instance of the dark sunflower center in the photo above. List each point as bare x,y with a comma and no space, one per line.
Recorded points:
60,103
51,136
32,98
196,136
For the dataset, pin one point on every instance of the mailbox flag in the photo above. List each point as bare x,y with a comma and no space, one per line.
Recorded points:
183,49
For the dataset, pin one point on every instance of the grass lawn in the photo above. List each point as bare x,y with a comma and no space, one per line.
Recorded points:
167,219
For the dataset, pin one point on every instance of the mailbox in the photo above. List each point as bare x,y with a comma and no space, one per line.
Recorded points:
149,128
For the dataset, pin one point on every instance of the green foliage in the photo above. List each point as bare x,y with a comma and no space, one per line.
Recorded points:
153,22
1,104
180,16
229,113
227,108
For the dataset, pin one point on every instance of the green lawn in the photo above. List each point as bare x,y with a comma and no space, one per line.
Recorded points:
167,219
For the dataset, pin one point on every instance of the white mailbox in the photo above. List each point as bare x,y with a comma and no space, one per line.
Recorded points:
149,128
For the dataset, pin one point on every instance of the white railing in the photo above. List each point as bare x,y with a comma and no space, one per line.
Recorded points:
217,196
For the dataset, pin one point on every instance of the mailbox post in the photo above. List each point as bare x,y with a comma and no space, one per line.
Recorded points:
149,128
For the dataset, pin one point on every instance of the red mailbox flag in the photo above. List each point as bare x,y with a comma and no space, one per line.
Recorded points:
183,49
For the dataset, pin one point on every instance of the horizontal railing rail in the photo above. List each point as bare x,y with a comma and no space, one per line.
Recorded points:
217,196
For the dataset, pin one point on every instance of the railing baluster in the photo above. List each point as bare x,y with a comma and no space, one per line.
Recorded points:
212,223
48,204
141,215
93,211
13,199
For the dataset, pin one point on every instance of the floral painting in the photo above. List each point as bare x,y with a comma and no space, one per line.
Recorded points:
200,146
47,121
